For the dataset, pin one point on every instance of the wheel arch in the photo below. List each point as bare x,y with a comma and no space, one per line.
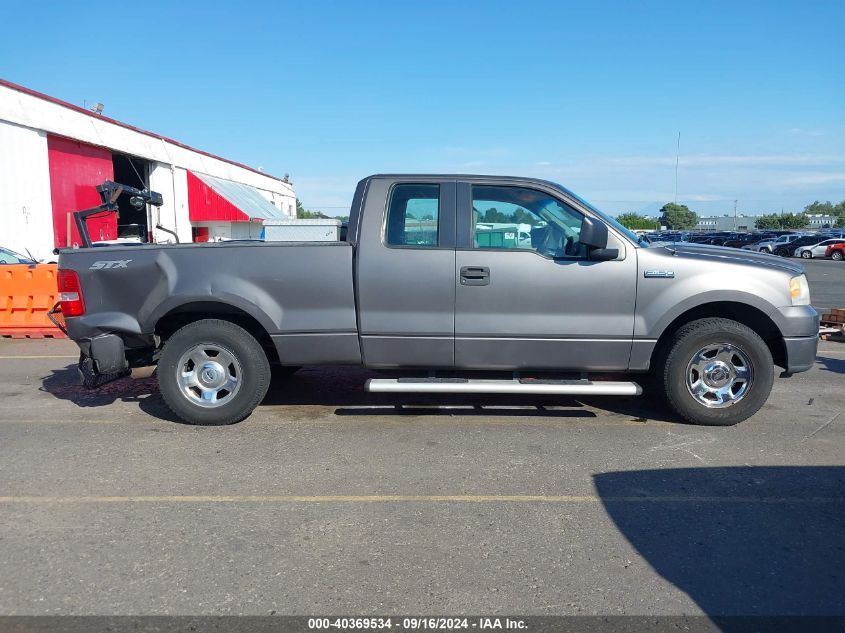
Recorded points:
192,311
748,315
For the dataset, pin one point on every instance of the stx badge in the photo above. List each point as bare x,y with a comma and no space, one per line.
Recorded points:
117,263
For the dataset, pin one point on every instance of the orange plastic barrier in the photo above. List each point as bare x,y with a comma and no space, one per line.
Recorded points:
27,293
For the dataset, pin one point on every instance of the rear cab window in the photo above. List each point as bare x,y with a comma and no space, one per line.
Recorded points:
413,216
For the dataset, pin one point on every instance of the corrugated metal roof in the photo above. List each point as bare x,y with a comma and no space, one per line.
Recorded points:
92,131
244,197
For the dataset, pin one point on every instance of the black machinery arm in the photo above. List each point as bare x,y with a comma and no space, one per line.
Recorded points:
109,193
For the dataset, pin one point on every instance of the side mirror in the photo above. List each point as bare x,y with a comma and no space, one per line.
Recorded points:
593,233
603,254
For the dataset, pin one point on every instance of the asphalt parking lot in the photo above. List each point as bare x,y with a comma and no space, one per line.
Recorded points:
331,500
827,282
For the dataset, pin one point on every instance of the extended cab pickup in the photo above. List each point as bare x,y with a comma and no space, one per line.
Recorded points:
440,277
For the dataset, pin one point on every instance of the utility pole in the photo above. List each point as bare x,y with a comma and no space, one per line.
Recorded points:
735,224
677,160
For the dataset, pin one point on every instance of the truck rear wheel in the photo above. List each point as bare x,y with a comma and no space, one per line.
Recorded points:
213,372
716,372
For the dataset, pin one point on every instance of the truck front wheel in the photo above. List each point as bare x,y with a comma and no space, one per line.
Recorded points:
716,372
213,372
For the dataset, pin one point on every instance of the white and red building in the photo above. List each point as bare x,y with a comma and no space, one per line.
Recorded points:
53,154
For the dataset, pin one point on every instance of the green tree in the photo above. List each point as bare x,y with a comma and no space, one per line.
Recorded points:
304,214
637,221
823,208
493,215
793,220
768,221
782,221
521,216
678,216
839,211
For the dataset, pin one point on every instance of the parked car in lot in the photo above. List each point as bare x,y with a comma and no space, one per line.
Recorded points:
437,306
789,249
836,252
744,239
666,237
818,249
769,246
710,237
8,256
721,240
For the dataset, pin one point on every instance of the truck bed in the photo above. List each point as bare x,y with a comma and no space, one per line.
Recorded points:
129,289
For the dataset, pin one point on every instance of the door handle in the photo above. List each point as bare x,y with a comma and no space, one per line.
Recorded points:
475,276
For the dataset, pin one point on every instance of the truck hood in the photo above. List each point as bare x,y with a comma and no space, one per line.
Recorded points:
733,255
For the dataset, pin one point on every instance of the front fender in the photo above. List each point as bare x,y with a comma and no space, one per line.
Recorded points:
652,322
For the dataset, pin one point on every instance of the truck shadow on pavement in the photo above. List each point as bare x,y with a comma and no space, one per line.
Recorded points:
760,541
343,389
64,385
836,365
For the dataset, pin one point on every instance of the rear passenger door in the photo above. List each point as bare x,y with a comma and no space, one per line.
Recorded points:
406,273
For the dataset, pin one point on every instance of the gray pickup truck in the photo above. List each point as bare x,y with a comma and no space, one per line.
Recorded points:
447,284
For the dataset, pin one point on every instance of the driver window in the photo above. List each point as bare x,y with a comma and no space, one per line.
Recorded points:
527,219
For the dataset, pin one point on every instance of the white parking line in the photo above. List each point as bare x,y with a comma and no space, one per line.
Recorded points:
31,357
376,498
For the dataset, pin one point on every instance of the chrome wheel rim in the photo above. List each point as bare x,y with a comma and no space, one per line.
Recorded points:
209,375
719,375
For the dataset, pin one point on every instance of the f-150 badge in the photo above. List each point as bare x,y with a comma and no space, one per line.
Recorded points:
665,274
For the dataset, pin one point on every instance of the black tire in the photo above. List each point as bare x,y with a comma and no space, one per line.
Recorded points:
694,336
806,255
254,374
836,256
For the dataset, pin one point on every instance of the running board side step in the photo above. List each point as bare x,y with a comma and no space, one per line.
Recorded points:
523,386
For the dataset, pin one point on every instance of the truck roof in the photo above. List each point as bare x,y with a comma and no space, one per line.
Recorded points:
466,177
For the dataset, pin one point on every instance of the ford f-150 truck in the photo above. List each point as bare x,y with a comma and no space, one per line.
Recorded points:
450,284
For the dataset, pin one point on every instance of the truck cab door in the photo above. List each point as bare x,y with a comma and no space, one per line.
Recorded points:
405,268
538,302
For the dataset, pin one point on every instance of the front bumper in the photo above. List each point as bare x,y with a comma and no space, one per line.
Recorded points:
799,326
797,321
800,353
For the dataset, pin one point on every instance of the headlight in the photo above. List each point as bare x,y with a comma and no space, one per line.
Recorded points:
799,291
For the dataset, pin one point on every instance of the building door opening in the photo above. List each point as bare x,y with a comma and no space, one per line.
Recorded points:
132,223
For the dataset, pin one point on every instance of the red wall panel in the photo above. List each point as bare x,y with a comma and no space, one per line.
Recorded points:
75,170
206,205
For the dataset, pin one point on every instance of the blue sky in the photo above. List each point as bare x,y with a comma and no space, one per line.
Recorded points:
589,94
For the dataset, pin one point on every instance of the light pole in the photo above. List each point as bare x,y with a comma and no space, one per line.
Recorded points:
735,225
677,160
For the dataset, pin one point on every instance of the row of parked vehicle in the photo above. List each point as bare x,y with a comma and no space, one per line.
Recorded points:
829,243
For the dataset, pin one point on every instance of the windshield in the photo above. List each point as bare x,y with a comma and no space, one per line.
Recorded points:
11,257
637,239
